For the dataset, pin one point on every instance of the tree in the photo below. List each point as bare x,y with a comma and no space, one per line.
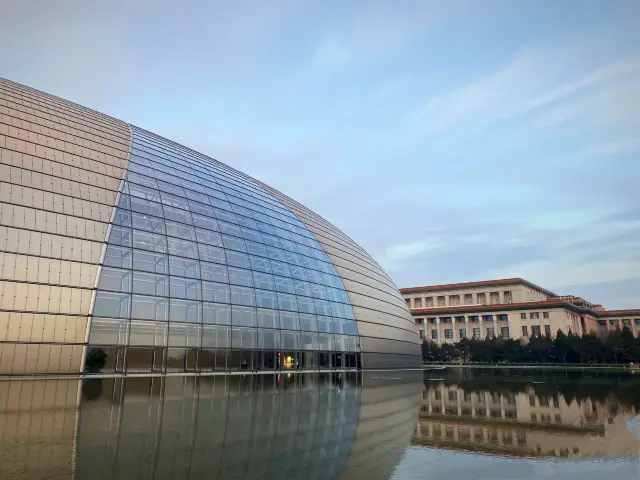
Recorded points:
540,348
96,360
618,347
431,352
561,348
591,349
629,351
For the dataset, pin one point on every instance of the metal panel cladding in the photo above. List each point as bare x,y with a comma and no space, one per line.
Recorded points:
123,252
61,166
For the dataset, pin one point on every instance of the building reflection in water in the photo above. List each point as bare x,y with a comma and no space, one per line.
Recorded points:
527,421
257,426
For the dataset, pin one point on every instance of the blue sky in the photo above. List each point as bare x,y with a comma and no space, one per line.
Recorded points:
455,141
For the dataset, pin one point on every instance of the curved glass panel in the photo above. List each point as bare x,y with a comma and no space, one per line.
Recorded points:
209,248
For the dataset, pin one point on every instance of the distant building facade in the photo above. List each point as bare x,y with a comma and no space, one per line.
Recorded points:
510,308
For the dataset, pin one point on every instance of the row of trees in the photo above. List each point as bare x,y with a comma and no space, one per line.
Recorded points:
619,346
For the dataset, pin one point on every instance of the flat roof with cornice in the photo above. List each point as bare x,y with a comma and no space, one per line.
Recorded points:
555,301
503,307
479,284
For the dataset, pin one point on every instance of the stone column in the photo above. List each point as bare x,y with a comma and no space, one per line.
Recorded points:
466,325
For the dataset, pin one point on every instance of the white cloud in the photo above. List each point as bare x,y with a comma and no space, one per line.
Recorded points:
609,73
534,80
332,53
564,273
393,256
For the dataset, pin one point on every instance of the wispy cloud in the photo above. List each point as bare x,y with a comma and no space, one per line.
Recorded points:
393,257
559,273
532,81
331,53
455,140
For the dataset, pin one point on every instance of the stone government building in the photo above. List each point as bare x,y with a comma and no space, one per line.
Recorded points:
122,252
511,308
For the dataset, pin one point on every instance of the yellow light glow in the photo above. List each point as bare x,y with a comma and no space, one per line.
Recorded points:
288,361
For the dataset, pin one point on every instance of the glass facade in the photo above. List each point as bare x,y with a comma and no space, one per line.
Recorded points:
206,272
122,252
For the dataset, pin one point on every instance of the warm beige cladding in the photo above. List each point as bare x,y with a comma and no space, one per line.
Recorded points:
513,308
494,292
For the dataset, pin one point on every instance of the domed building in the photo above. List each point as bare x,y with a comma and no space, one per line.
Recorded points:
122,252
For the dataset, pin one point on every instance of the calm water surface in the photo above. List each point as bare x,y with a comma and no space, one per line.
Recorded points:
446,424
493,424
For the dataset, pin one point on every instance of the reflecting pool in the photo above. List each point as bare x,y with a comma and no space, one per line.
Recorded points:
453,424
311,426
536,424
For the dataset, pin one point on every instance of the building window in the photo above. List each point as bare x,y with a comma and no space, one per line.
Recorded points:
468,299
463,333
602,323
535,330
442,301
525,331
533,315
523,316
453,396
429,302
494,297
507,296
454,300
504,332
434,334
421,334
408,300
432,320
474,318
490,332
547,330
503,317
417,302
419,321
460,319
613,323
482,299
545,314
626,322
448,333
476,333
637,320
487,318
445,319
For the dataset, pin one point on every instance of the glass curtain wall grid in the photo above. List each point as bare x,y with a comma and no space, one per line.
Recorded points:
203,274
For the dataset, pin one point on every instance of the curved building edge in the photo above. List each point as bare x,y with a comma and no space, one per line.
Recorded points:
65,174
